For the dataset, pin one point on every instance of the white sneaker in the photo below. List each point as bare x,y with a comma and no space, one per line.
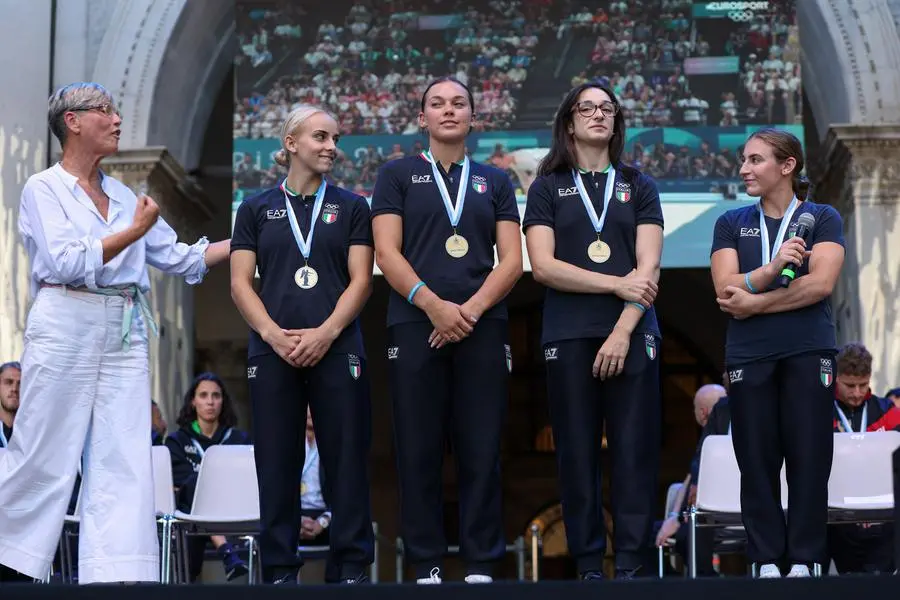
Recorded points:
474,578
799,571
434,578
769,571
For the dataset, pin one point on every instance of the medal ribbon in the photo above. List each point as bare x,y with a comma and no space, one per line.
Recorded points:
305,245
454,212
597,222
768,251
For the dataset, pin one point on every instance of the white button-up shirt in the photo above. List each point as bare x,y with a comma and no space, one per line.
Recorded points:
62,232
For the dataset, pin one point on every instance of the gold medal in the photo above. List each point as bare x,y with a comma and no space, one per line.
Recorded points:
306,277
457,246
599,251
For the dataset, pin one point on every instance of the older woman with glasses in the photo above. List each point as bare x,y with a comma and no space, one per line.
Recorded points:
85,376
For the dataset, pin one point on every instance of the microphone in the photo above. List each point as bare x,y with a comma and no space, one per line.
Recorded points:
805,224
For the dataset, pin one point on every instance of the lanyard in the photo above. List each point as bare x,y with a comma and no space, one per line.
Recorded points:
767,250
3,441
454,212
305,244
845,422
596,221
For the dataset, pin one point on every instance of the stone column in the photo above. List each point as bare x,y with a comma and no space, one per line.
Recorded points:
24,71
860,176
185,207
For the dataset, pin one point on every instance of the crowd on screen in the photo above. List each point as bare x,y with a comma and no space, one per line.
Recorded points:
369,67
641,48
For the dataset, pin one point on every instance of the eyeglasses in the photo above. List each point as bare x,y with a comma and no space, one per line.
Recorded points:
107,109
588,109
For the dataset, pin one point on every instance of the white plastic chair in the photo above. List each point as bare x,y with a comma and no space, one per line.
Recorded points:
70,530
226,500
719,492
671,495
861,486
164,502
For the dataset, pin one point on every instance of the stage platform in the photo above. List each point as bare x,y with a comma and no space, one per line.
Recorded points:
826,588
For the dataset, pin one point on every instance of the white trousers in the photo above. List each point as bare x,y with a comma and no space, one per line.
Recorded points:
81,393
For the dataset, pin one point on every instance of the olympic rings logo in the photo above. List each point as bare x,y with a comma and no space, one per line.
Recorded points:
741,16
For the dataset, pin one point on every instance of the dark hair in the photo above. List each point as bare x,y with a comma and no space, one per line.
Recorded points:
434,82
188,413
854,360
786,145
10,365
561,156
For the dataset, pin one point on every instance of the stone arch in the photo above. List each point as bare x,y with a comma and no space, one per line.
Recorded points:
850,61
165,61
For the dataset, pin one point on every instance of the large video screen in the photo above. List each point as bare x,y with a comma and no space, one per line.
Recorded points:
693,78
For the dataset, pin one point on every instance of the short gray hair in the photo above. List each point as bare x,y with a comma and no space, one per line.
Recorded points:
75,96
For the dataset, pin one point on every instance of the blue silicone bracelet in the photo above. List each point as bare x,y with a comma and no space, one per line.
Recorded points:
413,291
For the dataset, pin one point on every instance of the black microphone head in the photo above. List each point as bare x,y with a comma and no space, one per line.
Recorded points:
806,220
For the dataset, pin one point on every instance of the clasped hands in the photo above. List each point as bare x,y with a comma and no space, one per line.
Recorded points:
610,359
452,322
301,347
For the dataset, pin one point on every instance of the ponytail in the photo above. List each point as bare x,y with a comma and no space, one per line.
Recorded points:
801,186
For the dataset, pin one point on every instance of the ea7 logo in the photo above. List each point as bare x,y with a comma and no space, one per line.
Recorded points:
393,352
251,372
570,191
749,231
276,213
550,353
421,178
735,376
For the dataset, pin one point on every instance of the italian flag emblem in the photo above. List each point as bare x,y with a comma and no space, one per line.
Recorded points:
355,368
479,187
650,345
826,371
329,214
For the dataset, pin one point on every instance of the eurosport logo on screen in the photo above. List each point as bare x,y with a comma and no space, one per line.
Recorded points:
738,11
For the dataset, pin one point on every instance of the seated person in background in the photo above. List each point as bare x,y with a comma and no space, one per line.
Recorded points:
10,379
206,419
315,516
714,416
158,425
894,396
860,547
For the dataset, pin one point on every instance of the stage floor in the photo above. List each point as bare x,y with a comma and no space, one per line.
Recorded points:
827,588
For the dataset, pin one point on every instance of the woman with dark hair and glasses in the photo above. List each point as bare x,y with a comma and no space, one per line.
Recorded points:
206,419
437,218
594,232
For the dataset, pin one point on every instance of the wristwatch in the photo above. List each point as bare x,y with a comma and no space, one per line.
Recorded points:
323,521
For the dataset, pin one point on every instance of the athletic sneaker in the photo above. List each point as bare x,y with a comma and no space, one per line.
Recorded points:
433,578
